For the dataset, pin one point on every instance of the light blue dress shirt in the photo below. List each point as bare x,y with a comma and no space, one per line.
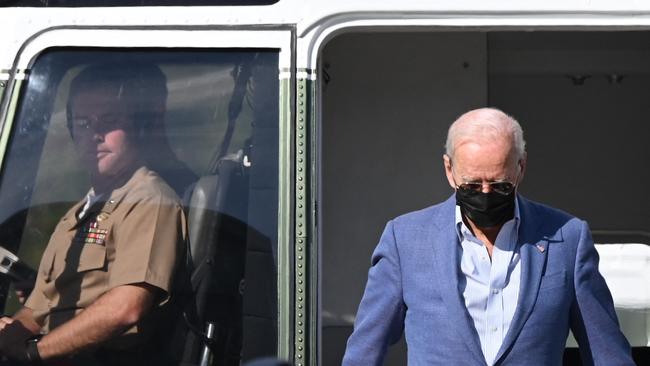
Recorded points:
490,287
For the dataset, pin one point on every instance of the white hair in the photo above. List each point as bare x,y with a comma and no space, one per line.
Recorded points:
486,124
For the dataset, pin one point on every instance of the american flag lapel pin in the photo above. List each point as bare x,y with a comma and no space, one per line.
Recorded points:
540,247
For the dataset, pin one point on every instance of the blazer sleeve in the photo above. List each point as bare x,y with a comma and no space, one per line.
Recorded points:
380,318
593,318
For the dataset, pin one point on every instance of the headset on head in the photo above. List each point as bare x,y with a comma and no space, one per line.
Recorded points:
143,86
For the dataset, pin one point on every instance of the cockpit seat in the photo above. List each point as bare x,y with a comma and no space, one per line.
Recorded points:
232,269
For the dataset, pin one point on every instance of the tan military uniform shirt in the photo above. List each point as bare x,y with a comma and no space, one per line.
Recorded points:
136,235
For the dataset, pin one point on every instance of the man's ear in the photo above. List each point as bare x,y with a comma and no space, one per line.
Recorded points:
522,166
448,171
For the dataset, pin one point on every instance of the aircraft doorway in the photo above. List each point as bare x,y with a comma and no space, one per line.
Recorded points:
388,99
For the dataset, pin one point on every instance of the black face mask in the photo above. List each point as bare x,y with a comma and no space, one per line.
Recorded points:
486,209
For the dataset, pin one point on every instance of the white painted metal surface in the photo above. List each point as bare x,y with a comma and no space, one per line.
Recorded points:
316,21
625,268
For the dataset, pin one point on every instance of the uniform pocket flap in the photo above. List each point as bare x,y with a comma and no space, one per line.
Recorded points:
92,256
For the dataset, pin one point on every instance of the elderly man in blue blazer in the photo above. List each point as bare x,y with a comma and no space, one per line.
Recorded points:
486,277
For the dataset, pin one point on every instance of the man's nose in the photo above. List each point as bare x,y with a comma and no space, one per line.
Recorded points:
486,187
97,134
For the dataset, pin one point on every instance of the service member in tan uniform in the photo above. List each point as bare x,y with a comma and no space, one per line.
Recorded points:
109,267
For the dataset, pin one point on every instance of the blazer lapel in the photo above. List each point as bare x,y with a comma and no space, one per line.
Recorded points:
533,253
446,253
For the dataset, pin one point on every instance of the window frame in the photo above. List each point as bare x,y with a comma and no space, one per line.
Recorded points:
312,40
275,38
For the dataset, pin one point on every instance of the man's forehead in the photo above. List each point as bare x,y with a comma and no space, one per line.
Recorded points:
483,147
487,159
99,97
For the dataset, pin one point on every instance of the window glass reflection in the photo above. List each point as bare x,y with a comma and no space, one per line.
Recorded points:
155,170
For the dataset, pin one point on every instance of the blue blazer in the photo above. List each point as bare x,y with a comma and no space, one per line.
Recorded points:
413,287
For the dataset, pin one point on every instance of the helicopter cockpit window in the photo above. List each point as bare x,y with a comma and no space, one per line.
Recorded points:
150,168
